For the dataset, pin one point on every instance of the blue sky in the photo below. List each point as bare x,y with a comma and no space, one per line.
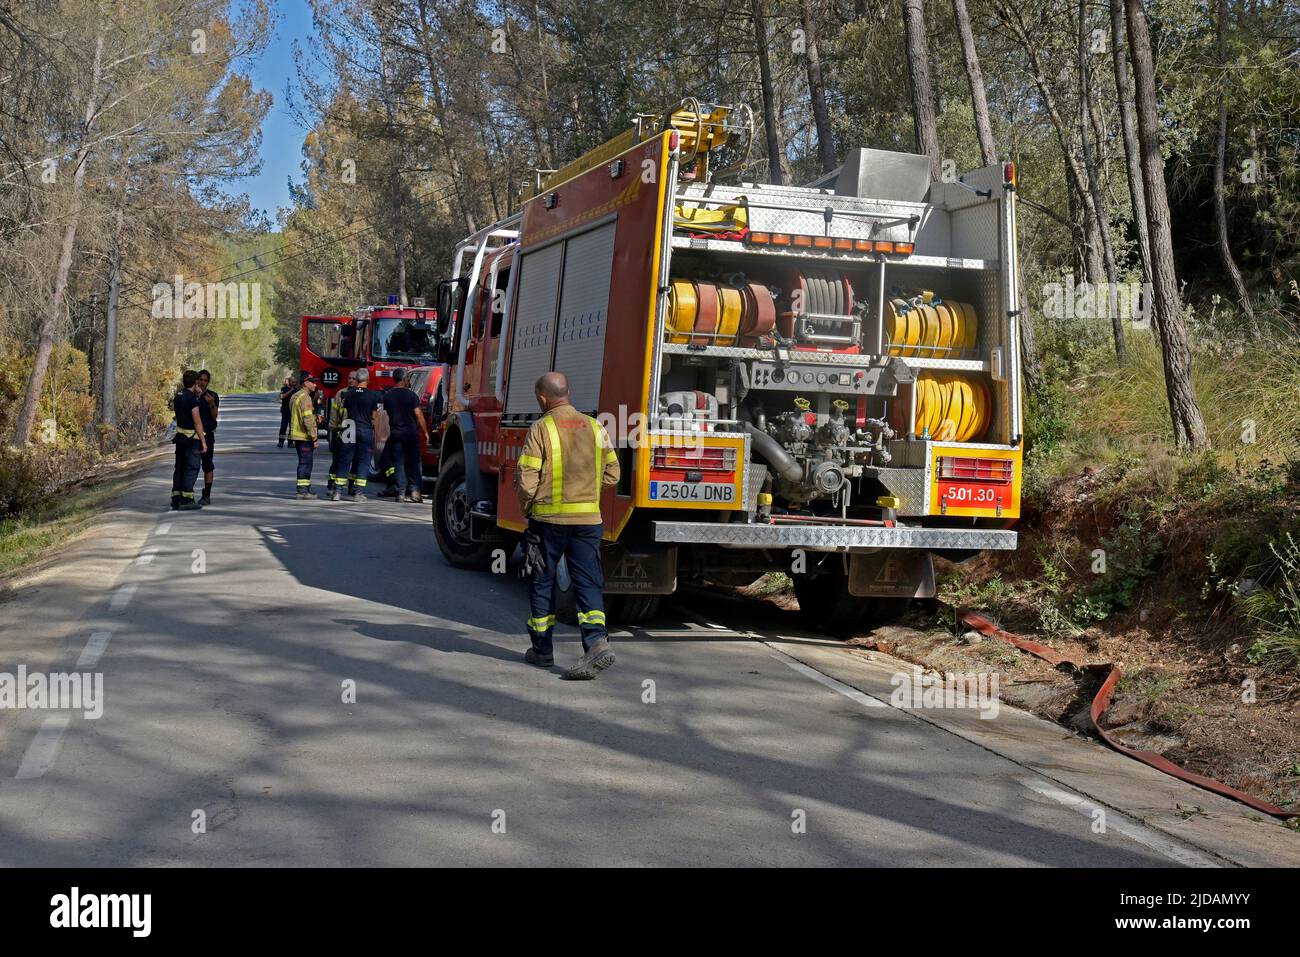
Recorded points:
281,136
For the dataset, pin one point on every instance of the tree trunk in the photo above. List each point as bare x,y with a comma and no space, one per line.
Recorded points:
918,76
817,89
1124,94
975,77
1032,369
1075,176
50,321
1188,423
401,268
551,143
1098,204
467,204
108,391
1220,151
774,150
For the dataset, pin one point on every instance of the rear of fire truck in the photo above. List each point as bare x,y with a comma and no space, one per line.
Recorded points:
823,380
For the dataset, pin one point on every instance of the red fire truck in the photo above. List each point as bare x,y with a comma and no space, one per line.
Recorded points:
380,339
822,380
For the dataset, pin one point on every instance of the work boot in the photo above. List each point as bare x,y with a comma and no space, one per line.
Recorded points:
334,495
535,657
600,657
189,505
176,502
307,494
390,493
356,497
415,497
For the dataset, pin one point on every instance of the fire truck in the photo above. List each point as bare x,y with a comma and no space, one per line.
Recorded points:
821,380
377,338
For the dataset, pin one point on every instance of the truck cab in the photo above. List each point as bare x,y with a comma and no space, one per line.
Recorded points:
377,338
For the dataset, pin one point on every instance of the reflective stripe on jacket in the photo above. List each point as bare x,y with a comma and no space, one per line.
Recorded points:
302,417
336,411
566,460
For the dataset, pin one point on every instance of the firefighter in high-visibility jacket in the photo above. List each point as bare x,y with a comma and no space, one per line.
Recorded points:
566,461
336,419
302,432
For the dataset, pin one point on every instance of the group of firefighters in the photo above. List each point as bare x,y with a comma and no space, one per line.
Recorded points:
566,461
350,420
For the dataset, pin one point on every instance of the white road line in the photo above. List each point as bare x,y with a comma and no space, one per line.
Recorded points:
94,649
1150,838
44,748
853,694
147,556
122,598
164,528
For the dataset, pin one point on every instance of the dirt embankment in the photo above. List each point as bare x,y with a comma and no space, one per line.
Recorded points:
1157,591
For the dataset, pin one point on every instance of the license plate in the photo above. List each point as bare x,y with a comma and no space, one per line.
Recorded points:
692,492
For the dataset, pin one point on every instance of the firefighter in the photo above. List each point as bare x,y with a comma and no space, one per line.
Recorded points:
336,435
302,432
387,470
406,422
353,465
209,406
190,443
286,396
566,460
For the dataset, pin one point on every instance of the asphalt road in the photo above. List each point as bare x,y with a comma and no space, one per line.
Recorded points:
226,638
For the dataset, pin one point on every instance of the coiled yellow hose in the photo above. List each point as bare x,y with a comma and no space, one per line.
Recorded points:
941,331
952,407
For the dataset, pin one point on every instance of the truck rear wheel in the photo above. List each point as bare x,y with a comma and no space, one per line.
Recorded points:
826,605
619,609
631,609
451,519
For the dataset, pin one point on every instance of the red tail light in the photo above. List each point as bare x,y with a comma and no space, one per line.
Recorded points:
707,459
955,469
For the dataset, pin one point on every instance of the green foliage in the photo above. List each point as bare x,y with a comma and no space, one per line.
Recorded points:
1131,554
992,595
1274,610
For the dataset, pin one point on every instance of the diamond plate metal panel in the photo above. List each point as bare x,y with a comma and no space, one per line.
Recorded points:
912,487
754,475
832,537
975,231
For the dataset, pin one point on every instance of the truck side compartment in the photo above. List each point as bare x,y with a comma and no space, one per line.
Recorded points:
822,380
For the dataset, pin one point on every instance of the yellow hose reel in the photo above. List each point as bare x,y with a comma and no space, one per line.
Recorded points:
952,407
942,330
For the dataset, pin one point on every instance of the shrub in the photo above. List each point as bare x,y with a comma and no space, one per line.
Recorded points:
1275,610
29,476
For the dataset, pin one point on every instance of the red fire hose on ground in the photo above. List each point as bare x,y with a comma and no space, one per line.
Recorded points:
1101,701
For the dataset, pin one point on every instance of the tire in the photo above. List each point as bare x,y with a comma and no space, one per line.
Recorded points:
826,605
619,609
631,609
451,519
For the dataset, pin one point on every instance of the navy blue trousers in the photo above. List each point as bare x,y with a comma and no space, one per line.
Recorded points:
579,546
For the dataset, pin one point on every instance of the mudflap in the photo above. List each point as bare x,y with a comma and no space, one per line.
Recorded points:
627,573
892,574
